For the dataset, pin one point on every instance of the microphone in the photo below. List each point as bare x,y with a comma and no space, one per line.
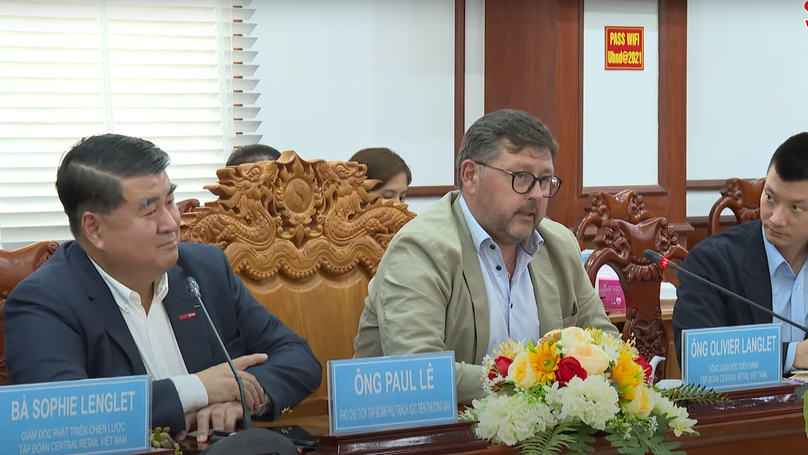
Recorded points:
249,441
193,289
664,262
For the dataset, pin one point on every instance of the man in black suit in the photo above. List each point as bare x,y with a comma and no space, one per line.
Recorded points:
762,260
114,303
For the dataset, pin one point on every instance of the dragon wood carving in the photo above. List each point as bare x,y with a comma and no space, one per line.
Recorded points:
628,241
622,244
745,197
626,205
742,197
294,217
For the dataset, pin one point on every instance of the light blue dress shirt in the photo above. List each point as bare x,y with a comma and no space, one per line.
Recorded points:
788,298
512,309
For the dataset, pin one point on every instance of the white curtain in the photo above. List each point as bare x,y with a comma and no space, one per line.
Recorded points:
176,72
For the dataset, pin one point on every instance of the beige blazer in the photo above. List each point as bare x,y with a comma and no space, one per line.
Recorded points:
428,294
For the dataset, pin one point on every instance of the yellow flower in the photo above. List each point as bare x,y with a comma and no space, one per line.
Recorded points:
545,362
592,358
551,337
642,404
508,349
521,372
627,374
629,347
577,333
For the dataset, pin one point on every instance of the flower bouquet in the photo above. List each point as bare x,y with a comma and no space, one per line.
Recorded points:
558,393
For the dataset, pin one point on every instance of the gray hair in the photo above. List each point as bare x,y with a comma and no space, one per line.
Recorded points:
520,129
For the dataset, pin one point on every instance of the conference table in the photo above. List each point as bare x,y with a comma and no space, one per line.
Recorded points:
758,421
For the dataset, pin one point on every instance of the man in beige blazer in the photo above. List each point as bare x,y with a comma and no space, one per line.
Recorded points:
481,266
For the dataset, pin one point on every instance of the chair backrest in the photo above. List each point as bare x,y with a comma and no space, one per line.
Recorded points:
15,265
187,205
742,196
626,205
620,244
306,238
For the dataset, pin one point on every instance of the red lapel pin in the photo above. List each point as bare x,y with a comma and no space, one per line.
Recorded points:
187,316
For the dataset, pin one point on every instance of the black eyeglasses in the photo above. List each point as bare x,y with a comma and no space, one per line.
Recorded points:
523,182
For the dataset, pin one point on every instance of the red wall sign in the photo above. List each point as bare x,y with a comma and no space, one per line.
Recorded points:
625,48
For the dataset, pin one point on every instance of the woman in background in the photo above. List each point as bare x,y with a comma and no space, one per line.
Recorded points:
385,165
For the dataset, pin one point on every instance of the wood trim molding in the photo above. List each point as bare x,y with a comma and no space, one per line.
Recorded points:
672,102
429,191
459,76
645,190
703,221
570,111
706,184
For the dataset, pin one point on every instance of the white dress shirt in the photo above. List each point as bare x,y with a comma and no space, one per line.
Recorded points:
155,340
788,298
512,310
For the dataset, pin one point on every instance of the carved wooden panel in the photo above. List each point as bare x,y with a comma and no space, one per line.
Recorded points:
306,237
742,197
620,244
187,205
626,205
15,265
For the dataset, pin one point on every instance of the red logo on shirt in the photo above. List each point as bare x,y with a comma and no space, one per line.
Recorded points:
187,316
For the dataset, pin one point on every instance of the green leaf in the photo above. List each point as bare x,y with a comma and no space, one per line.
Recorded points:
640,440
695,393
805,410
583,441
552,442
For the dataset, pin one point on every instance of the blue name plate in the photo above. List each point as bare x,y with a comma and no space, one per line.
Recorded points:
391,392
92,416
733,358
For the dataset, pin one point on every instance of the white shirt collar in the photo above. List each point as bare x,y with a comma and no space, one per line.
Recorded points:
126,297
479,235
773,255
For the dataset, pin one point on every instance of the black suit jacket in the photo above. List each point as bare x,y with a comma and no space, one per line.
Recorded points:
736,260
62,323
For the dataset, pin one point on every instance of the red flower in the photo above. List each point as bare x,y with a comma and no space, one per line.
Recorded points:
645,366
503,363
568,368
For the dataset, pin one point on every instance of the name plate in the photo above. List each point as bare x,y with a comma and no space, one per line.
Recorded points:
391,392
733,358
93,416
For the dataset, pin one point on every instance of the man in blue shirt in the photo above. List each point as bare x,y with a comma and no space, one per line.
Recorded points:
763,260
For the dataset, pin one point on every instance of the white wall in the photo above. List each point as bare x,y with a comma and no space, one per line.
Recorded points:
474,101
475,61
338,76
620,106
747,88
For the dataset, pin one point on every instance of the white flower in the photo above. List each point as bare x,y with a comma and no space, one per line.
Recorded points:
592,401
573,336
612,352
611,346
643,402
680,421
509,419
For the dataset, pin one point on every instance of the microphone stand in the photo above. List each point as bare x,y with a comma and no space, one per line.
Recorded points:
664,262
249,441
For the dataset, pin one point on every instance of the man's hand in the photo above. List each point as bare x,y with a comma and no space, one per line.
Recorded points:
801,356
219,417
222,386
